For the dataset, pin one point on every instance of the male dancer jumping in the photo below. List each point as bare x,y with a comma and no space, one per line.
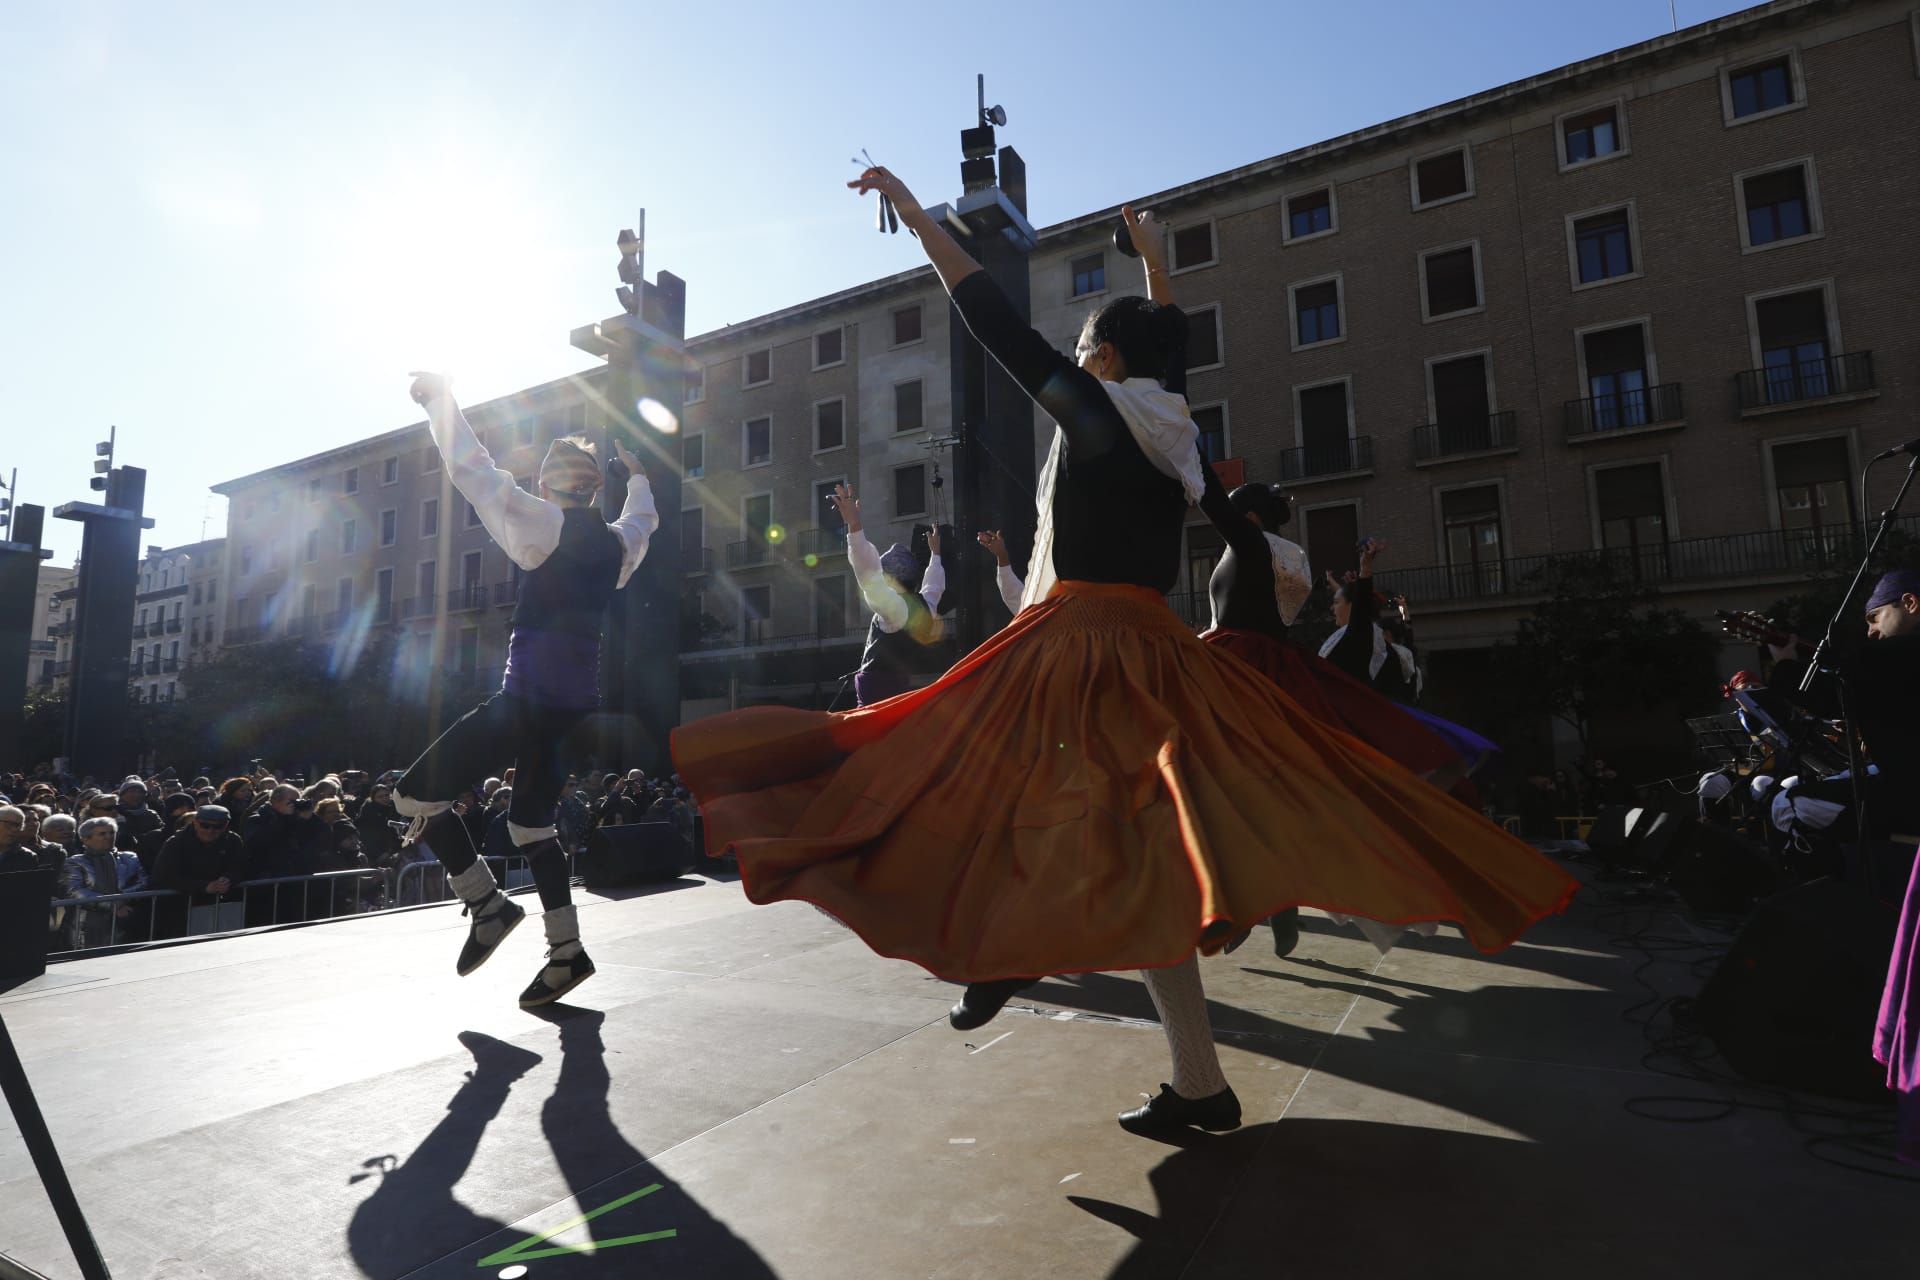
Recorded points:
572,561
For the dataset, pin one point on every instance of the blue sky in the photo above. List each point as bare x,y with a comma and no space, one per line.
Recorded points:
230,230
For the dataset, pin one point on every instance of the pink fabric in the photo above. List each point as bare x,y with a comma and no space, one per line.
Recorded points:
1896,1037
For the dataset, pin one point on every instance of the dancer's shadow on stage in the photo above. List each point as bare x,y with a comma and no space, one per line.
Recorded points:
646,1225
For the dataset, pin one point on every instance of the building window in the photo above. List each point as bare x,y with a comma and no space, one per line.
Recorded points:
1794,346
1451,281
196,591
829,425
910,490
1325,428
470,569
1333,537
1089,274
429,584
313,547
1192,247
390,471
1462,407
1631,505
756,606
351,482
696,383
1316,313
1310,213
906,325
1777,206
756,517
1617,381
382,595
1760,88
389,527
1212,423
830,607
756,442
1811,480
1590,135
430,518
429,460
1437,179
246,560
468,660
829,348
693,456
693,534
825,514
472,517
313,490
757,368
1603,246
343,597
909,408
1470,525
1204,346
213,591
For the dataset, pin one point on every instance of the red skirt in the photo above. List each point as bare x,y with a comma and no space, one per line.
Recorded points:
1093,788
1336,698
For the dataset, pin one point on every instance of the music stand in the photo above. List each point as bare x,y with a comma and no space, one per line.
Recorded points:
1721,740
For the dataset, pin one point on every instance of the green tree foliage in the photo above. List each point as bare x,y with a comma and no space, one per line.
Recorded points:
1597,642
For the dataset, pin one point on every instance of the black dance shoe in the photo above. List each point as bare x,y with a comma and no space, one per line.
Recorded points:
983,1000
556,978
1168,1113
492,921
1286,931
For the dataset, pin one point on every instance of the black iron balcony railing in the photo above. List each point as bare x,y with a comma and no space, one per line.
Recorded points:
61,629
335,620
471,596
1338,458
822,542
61,669
417,607
1464,436
40,646
1797,381
1777,554
696,559
302,625
169,665
139,631
750,552
1625,410
245,635
383,610
173,626
506,593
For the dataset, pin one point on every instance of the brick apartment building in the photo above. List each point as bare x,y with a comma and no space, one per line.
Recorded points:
1652,304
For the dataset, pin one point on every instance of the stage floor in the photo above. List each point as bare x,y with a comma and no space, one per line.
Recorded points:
748,1092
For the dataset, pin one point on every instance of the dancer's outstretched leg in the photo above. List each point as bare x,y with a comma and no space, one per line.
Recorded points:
1199,1095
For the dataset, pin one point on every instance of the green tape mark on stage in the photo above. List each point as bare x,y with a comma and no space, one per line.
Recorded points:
525,1251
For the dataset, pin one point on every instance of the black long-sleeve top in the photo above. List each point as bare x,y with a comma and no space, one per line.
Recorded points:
1116,518
1354,652
1883,679
1242,583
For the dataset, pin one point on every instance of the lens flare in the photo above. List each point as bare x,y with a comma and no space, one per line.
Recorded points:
776,534
658,416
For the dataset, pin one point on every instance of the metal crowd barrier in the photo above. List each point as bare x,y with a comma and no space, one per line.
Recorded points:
75,919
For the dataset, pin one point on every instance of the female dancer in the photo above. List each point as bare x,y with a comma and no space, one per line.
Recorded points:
905,600
1093,788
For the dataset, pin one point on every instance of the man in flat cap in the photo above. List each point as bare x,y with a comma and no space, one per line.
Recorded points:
572,560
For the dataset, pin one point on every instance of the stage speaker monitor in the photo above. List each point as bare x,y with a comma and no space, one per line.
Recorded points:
1614,833
638,853
24,896
1795,1000
1716,871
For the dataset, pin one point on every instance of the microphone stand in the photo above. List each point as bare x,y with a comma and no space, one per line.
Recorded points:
1858,867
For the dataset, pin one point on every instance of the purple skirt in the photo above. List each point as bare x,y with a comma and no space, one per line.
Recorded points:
1896,1038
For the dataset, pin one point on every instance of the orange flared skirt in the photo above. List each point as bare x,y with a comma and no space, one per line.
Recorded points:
1094,788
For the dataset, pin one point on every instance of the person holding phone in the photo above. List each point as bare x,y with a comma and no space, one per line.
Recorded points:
572,561
1094,788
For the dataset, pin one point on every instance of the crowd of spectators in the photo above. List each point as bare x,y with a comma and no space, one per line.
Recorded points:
210,845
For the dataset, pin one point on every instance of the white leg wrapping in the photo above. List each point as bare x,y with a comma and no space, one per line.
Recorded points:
408,807
475,885
1181,1003
524,836
563,931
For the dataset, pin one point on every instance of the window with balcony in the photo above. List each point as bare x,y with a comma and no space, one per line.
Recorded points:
693,456
756,606
1316,313
1089,274
430,518
1470,525
1325,430
1795,361
756,442
1619,390
428,582
756,517
909,406
693,536
830,606
1212,423
389,527
1603,246
1333,537
827,516
1631,507
1450,281
1812,481
1463,418
1310,213
1439,179
383,595
1777,206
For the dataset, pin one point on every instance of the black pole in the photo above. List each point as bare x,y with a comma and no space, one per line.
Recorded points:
46,1160
1858,865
